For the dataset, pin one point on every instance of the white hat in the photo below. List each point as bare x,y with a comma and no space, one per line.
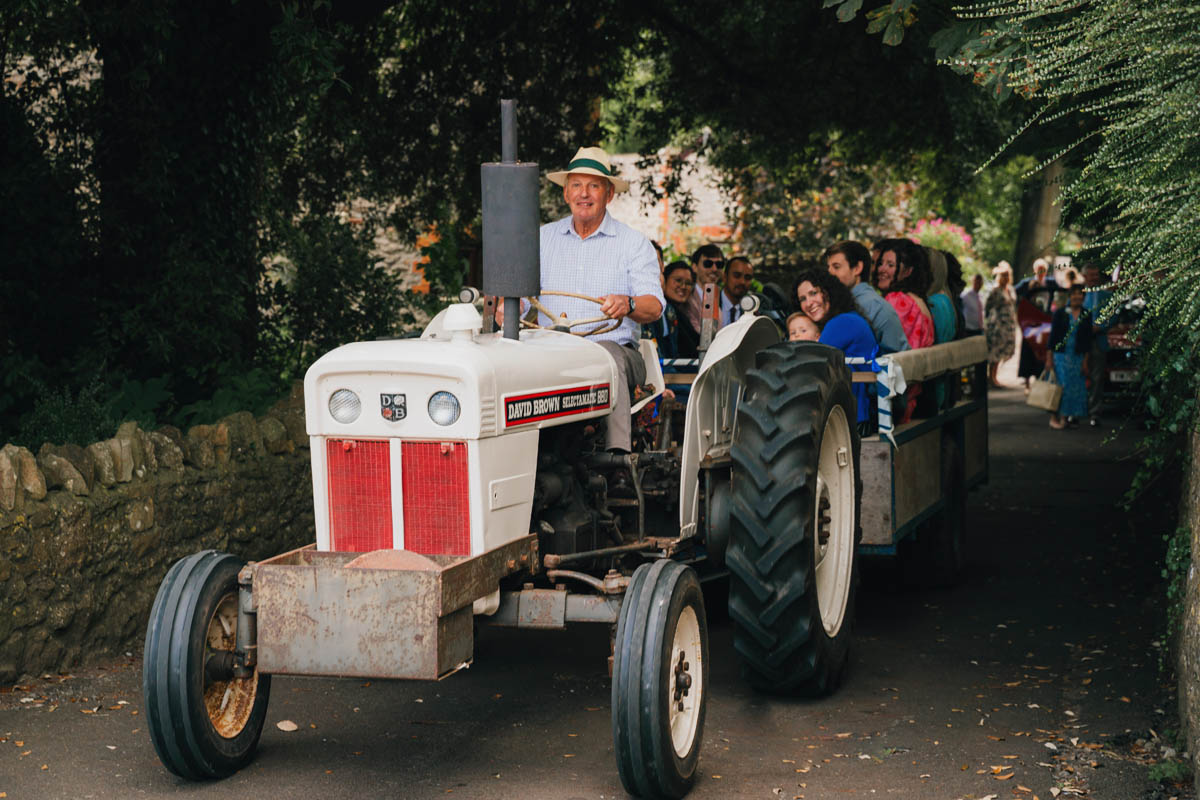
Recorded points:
590,161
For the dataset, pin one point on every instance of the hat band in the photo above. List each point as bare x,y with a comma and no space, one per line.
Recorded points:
588,162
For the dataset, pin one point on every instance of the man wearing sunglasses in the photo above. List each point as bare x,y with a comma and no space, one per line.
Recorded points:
708,262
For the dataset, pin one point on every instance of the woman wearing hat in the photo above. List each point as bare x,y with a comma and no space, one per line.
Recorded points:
1000,320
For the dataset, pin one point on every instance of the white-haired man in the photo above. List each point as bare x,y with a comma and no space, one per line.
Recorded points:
591,253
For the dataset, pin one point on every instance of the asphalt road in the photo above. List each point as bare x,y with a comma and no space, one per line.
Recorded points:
1040,672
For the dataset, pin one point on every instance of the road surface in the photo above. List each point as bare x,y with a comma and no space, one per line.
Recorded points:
1040,672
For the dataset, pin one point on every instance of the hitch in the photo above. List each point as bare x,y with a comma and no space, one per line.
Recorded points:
245,655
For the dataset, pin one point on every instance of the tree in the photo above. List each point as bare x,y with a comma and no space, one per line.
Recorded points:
190,144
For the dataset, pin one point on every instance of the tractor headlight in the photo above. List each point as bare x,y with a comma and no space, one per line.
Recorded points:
345,406
444,408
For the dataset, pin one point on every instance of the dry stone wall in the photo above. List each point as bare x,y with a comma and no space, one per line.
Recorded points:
1188,651
87,533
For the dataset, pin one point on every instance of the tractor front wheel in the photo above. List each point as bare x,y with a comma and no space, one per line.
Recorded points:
204,721
660,680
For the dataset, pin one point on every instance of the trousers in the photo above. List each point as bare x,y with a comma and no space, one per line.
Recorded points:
631,372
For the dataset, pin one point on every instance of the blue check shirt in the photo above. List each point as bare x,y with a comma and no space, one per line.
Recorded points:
615,259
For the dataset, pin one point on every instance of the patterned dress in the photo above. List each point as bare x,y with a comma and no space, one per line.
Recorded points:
918,326
1000,321
1068,369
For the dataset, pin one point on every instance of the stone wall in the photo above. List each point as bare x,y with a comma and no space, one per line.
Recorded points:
1188,655
87,533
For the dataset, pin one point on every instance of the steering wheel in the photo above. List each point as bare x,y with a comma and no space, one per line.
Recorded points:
564,322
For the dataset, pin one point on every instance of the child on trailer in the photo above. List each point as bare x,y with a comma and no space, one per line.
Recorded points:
801,328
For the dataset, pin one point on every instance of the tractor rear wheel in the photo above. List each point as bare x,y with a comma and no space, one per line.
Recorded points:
660,680
794,526
203,720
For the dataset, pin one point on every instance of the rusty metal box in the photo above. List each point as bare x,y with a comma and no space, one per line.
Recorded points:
316,616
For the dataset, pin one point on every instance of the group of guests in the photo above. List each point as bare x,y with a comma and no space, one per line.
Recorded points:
1076,351
865,302
677,331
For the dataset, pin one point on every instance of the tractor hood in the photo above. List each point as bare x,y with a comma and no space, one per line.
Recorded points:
500,385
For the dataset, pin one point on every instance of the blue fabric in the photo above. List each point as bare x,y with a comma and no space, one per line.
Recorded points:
851,334
945,320
881,317
1068,369
673,334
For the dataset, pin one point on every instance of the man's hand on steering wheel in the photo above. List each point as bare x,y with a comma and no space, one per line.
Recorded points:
615,306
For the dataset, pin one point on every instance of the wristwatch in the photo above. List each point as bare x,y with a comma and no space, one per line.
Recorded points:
632,304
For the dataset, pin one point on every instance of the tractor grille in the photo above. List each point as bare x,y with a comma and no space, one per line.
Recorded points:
360,495
437,510
436,502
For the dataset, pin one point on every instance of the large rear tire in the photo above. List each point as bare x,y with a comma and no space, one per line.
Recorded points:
204,722
794,527
660,681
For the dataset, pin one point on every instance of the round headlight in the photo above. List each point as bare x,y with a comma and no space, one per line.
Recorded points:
443,408
345,406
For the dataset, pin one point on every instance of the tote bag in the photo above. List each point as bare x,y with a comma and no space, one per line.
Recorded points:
1045,393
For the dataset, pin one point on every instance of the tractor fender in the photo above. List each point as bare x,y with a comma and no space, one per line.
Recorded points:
712,406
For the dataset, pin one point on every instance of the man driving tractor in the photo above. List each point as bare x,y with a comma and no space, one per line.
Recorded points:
591,253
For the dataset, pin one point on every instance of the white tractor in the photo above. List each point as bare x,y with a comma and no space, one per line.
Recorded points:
461,479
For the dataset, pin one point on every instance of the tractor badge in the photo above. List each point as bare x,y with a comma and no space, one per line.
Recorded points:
393,407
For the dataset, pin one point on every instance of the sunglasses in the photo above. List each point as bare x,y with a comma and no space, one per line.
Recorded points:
712,262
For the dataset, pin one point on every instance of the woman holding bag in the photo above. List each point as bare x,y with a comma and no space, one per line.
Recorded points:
1067,355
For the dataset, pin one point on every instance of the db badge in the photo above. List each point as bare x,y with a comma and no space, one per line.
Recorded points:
393,407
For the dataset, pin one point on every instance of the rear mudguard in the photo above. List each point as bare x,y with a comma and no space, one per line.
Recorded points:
712,405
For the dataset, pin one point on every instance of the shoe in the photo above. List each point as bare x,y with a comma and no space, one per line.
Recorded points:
1093,422
1060,426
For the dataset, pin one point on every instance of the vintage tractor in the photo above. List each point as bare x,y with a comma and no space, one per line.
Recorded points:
461,479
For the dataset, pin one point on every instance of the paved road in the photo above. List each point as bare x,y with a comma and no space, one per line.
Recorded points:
1039,672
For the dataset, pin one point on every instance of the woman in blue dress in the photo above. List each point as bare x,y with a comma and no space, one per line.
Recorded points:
827,302
1067,355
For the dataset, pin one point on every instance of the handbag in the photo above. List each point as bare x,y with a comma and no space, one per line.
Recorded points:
1045,393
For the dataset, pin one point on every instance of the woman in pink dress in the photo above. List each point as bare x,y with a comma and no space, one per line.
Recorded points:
903,277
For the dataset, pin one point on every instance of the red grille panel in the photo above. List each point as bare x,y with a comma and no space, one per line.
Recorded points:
360,495
437,507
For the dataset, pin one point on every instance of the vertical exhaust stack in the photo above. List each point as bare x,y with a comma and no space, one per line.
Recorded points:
511,241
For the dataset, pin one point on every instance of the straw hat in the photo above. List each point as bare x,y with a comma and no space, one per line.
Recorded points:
590,161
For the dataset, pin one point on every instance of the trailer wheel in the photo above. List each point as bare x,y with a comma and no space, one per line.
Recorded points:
204,721
794,527
660,680
938,556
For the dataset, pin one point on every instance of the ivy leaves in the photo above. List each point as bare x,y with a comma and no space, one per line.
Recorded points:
892,19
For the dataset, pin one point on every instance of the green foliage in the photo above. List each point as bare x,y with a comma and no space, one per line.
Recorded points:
141,401
1170,771
990,207
793,211
254,390
329,291
1176,564
61,417
213,177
